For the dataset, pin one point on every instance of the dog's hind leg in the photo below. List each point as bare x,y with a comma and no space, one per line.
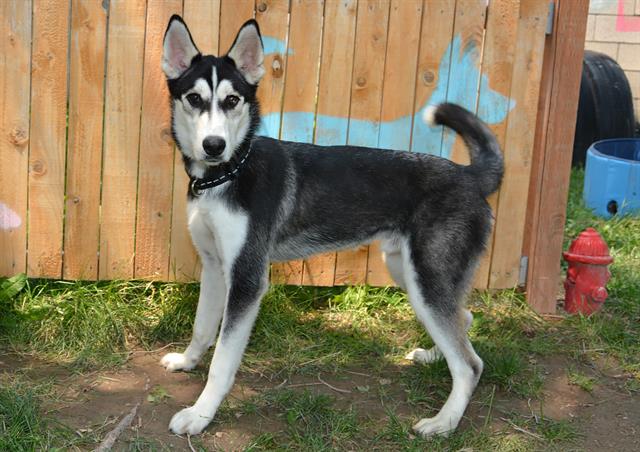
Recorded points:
208,315
392,257
247,286
434,298
393,261
422,356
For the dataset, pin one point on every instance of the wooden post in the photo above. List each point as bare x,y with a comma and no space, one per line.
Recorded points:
553,144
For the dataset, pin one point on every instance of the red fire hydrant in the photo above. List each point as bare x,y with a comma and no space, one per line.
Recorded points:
587,275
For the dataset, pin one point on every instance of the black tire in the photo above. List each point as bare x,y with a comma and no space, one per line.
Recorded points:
605,107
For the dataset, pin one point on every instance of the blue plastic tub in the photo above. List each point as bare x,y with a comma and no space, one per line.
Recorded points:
612,177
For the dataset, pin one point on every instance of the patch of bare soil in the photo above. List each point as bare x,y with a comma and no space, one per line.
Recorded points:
608,418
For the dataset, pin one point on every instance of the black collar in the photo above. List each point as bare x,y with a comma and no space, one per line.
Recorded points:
220,174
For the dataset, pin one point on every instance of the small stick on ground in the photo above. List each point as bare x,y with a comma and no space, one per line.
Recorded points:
281,384
333,387
145,352
189,442
111,438
522,430
357,373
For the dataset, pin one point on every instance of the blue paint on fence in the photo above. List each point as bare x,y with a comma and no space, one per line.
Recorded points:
457,82
298,126
331,130
363,133
275,45
395,134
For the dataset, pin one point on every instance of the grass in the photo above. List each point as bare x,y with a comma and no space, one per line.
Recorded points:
617,328
94,324
581,380
23,427
303,332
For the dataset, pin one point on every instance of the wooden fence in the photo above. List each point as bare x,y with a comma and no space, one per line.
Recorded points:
91,186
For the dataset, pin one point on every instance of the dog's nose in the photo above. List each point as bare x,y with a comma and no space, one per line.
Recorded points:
213,145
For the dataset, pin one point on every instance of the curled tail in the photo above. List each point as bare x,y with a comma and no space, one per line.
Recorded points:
487,164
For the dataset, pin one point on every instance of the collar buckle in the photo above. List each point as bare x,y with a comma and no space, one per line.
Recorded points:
192,188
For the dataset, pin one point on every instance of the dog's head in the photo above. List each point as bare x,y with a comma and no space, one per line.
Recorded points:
213,99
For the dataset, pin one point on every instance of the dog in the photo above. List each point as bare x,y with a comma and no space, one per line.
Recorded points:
253,200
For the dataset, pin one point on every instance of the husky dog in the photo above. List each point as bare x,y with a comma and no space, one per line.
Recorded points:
253,200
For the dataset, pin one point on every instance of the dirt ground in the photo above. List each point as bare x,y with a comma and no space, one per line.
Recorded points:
608,418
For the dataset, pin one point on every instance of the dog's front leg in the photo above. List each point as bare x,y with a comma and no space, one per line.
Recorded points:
213,293
247,286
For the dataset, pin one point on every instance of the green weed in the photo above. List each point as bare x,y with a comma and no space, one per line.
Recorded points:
581,380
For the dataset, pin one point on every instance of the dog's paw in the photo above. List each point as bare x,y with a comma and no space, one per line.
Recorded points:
189,420
434,426
422,356
177,361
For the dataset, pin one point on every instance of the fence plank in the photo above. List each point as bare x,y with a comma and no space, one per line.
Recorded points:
400,74
334,97
557,120
84,155
233,13
494,103
15,67
525,89
122,137
364,115
529,242
397,101
272,16
203,19
155,172
48,140
464,76
434,59
300,91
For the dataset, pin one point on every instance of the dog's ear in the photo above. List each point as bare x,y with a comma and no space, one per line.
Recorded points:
178,48
247,52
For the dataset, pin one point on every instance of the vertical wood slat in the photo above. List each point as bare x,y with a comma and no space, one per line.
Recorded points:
84,154
48,137
400,74
15,67
300,90
123,101
397,101
537,161
433,71
525,88
544,258
155,172
272,16
497,67
364,114
203,19
334,98
463,79
233,13
305,30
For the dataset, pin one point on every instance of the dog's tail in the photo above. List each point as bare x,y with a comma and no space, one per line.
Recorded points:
487,164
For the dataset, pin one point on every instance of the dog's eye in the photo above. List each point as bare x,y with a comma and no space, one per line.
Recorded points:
195,100
231,101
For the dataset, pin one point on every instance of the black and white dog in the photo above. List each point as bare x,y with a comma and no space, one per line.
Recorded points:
253,200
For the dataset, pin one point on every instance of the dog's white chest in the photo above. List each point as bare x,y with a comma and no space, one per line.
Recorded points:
215,228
